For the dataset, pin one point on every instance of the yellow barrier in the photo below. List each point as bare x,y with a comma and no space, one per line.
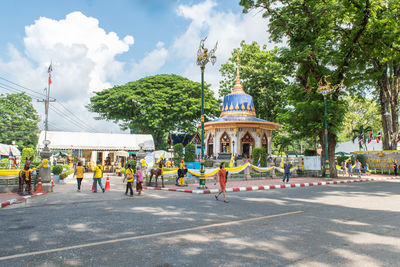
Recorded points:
8,172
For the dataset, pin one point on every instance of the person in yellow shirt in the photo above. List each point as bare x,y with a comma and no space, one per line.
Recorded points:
79,171
129,179
97,175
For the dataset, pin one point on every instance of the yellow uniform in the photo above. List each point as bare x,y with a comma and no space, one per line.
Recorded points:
129,175
98,171
80,170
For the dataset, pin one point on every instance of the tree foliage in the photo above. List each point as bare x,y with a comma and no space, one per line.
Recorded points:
322,39
361,135
18,120
190,153
262,77
178,154
155,105
259,153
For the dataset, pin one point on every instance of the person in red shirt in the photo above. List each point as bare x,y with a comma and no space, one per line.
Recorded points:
221,177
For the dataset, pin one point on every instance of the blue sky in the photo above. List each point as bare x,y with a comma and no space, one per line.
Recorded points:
95,44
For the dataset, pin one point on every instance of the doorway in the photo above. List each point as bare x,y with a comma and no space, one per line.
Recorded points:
245,150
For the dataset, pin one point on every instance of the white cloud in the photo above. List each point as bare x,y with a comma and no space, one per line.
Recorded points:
83,56
226,27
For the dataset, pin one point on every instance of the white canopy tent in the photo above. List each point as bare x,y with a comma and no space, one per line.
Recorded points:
5,151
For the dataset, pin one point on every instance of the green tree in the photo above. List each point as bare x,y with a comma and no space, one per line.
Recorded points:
155,105
321,41
260,153
361,134
27,153
360,111
262,75
190,153
18,120
178,154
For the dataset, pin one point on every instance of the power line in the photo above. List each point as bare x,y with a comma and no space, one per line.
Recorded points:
26,88
72,121
79,119
81,124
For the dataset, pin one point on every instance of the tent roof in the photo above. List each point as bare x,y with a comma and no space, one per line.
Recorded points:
5,150
349,147
96,141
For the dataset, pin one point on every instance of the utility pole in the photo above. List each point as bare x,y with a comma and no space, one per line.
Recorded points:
46,110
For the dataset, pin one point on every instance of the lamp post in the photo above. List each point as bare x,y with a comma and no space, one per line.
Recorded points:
324,87
203,57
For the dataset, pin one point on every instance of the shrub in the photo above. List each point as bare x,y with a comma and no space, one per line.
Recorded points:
57,169
190,153
310,152
65,174
257,152
178,154
340,159
132,163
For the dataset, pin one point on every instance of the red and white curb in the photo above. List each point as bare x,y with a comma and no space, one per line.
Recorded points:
267,187
22,198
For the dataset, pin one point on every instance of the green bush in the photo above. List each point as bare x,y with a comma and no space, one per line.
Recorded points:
257,152
340,159
190,153
310,152
178,154
57,169
132,163
65,174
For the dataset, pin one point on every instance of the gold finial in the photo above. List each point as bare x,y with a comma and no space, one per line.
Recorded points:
238,88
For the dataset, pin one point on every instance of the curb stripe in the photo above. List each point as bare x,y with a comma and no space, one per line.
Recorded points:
14,200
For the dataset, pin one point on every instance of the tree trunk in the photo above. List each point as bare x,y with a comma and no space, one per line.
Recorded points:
394,95
385,107
331,154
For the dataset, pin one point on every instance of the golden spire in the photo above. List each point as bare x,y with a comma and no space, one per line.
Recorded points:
238,88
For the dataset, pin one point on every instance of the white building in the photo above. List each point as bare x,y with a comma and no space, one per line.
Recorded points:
97,146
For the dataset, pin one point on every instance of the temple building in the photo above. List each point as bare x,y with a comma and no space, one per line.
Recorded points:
237,130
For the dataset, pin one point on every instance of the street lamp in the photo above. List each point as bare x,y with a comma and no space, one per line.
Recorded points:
203,57
324,87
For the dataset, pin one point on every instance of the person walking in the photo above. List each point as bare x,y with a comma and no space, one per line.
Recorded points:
357,168
344,168
129,179
79,172
97,175
395,167
286,171
349,167
221,178
139,181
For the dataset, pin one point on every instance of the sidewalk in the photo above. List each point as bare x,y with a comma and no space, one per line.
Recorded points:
264,184
11,198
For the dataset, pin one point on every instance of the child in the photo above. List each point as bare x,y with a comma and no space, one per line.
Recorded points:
139,181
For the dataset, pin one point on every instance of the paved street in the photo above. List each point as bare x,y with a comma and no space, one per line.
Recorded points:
338,225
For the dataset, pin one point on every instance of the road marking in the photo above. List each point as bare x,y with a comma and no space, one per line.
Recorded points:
145,236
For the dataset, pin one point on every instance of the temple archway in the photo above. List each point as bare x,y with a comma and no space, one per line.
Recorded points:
247,143
225,143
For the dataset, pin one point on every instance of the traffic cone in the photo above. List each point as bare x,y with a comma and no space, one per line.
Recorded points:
93,186
107,184
39,185
52,182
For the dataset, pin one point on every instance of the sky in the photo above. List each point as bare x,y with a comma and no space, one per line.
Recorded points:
96,44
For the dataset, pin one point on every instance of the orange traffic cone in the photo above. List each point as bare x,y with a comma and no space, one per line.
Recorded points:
107,184
39,185
52,182
93,186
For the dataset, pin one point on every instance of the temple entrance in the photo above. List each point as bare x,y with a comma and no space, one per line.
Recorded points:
225,143
264,143
210,146
247,142
245,150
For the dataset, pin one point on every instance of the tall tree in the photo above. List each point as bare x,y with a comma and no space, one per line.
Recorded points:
263,77
18,120
379,60
155,105
321,38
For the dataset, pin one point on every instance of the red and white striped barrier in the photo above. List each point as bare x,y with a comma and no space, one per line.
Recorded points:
22,198
267,187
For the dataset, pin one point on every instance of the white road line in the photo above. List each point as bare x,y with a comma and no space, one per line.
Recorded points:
145,236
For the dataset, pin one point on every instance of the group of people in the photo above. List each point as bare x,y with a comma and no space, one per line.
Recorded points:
348,168
129,176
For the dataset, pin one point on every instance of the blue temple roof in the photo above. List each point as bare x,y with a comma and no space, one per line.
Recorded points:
238,118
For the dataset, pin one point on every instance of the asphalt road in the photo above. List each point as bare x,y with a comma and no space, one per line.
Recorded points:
338,225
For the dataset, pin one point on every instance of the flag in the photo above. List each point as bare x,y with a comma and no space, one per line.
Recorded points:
49,70
378,137
371,136
259,162
391,138
231,163
361,139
